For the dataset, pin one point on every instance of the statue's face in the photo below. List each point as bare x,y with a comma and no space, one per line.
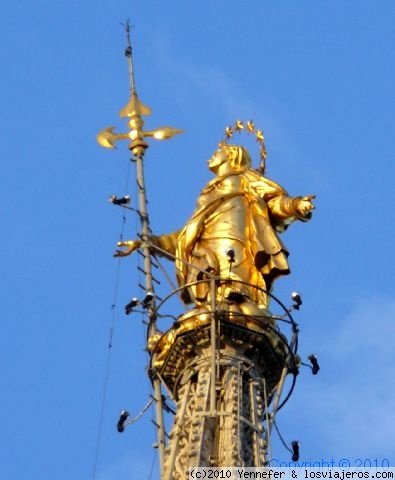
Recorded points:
219,157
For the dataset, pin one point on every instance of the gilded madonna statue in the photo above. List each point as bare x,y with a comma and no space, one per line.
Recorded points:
233,234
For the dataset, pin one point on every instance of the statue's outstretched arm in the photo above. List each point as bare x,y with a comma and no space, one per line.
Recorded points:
304,207
166,244
283,208
287,209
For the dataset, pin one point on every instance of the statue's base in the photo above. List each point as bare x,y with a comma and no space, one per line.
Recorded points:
242,330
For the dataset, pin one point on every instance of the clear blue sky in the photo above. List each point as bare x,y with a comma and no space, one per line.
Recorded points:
318,77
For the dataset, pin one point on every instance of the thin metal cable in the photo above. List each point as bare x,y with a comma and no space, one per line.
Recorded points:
167,276
153,465
281,437
106,379
110,340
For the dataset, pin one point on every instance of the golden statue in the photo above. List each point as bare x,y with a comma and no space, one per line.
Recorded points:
232,235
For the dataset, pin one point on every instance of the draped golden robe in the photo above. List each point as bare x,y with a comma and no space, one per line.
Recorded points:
239,211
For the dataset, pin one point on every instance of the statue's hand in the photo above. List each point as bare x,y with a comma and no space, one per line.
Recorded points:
305,206
132,245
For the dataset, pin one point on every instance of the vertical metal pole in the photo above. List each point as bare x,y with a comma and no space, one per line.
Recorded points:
213,394
268,450
276,399
151,307
161,425
145,238
254,420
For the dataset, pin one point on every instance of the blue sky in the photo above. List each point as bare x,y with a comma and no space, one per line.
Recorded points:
318,77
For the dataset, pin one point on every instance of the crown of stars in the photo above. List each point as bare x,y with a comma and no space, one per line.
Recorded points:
249,127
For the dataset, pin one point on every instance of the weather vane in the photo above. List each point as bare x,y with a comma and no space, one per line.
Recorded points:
134,110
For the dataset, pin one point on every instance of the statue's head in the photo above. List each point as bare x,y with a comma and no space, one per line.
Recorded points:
232,158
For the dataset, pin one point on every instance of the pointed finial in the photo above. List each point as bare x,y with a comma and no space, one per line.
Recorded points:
134,111
129,56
